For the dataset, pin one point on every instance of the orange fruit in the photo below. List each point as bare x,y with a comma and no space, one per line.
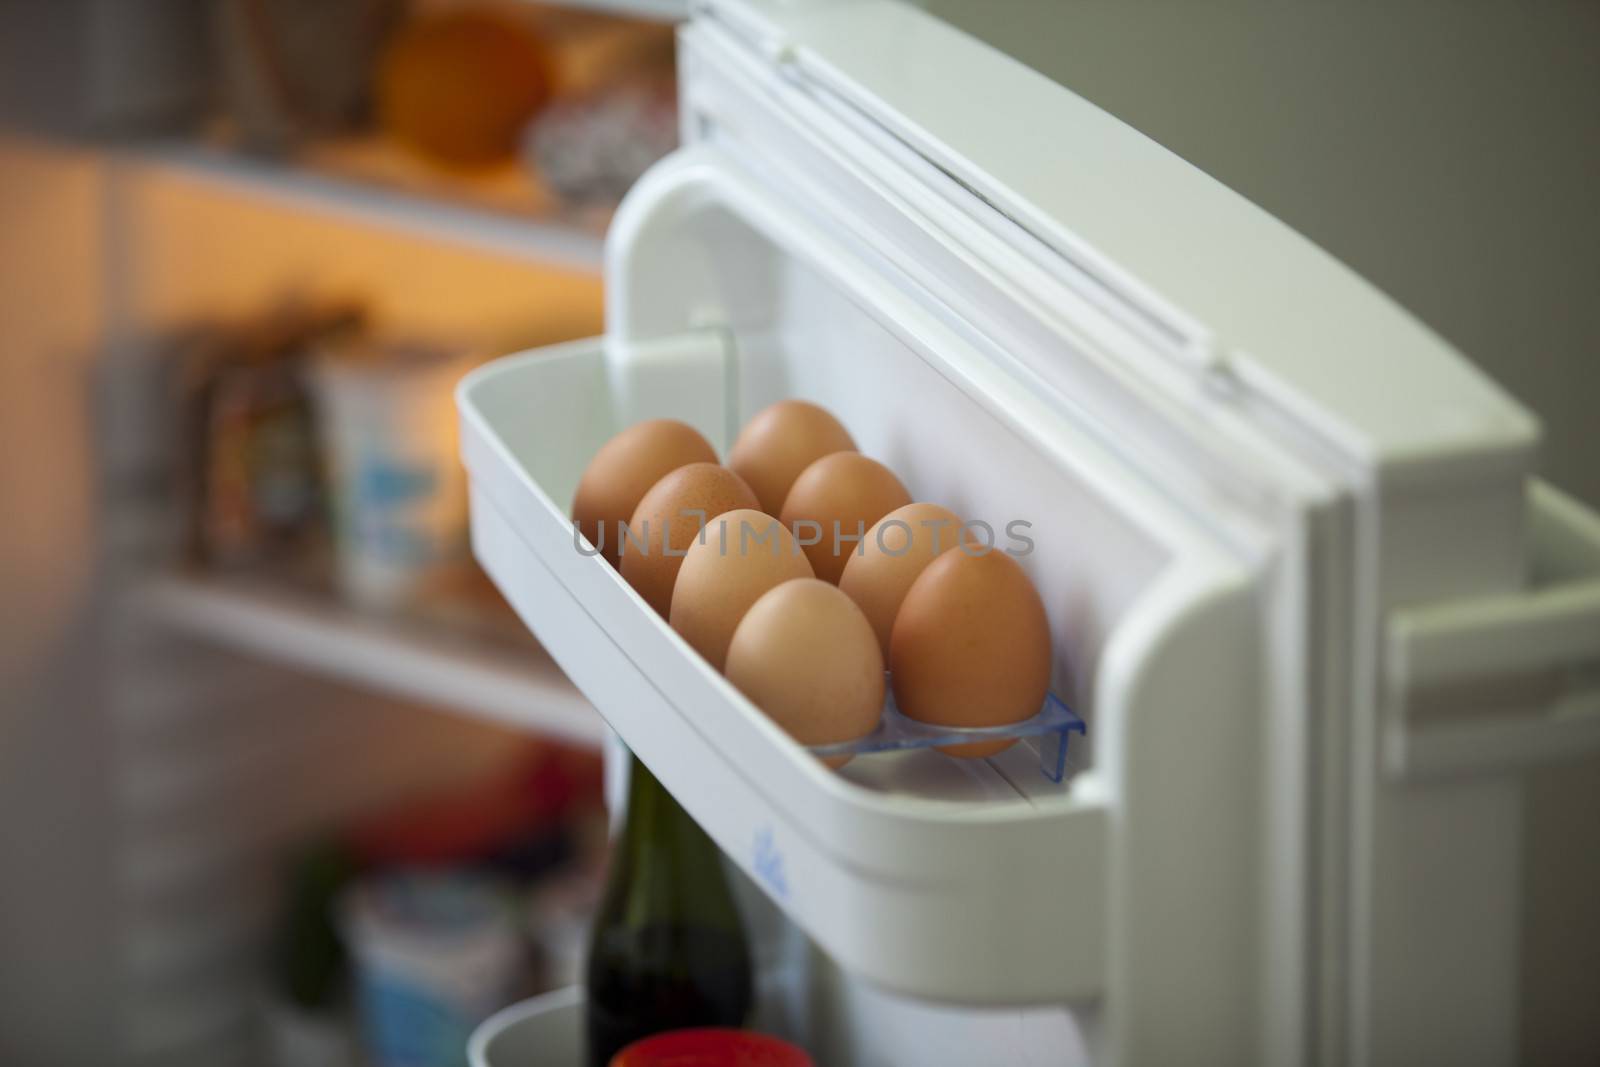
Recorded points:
458,88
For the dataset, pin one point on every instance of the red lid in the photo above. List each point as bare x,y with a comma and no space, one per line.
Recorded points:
711,1047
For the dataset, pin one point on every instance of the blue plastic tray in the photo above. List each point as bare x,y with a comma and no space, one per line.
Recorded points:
1054,723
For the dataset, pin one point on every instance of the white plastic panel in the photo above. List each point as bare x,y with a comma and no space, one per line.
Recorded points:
1236,288
1495,684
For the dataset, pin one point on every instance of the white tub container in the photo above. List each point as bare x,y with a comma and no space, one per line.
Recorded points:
433,954
546,1031
398,494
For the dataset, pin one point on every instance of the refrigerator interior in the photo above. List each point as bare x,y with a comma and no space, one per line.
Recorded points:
187,732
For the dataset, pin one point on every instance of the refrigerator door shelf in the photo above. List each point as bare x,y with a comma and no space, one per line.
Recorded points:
966,881
869,863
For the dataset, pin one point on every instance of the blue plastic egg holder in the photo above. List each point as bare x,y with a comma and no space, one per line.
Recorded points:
1054,725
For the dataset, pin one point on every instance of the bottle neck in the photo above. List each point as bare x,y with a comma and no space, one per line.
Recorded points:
650,806
655,821
671,866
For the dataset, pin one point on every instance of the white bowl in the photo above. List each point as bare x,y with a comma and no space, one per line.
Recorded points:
546,1031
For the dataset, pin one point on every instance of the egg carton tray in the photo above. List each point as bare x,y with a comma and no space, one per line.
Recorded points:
1053,726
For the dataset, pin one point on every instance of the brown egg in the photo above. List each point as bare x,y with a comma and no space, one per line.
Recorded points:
624,469
779,443
666,522
971,646
846,492
806,656
743,554
894,552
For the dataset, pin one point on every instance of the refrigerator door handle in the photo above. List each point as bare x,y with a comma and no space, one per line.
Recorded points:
1497,684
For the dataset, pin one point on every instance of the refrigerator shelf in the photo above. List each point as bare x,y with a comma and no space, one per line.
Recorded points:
369,182
445,661
1052,727
654,10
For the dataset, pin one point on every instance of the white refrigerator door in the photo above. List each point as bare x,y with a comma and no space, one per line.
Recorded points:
1245,469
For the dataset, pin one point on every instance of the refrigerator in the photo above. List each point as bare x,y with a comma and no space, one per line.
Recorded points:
1305,588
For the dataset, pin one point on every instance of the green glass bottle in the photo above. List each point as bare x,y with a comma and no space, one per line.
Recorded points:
668,949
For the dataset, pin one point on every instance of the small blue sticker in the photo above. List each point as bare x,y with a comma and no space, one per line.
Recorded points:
769,863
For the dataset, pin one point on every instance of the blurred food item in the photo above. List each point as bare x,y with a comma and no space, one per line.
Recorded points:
668,518
624,469
833,504
443,874
971,645
806,656
435,953
615,105
294,69
743,554
894,552
781,441
591,149
459,87
712,1047
537,823
517,821
387,417
588,52
311,960
305,1024
252,481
